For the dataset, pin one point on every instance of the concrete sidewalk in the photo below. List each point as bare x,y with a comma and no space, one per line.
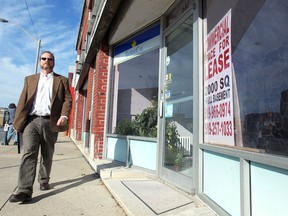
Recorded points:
78,190
141,193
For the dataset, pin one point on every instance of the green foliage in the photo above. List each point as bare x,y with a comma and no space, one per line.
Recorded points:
171,133
173,145
178,159
124,128
144,124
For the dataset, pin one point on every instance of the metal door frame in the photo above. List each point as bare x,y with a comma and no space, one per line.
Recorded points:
184,182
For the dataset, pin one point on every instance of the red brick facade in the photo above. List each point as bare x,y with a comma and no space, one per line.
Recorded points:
79,114
99,99
91,90
99,78
88,100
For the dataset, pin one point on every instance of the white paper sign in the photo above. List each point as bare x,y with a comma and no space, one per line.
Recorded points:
218,95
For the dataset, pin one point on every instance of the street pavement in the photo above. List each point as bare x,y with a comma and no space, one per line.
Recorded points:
83,186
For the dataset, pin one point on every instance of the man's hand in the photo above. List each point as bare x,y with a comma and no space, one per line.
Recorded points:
62,121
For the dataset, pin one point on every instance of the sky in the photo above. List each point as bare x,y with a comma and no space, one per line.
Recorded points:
56,24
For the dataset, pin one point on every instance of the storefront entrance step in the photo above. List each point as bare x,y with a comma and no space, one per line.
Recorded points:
123,173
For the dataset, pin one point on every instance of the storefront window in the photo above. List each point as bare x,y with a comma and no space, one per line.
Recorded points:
257,77
135,85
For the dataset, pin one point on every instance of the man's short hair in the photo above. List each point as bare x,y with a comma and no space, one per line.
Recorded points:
49,53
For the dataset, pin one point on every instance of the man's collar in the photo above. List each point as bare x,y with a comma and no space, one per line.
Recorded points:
48,75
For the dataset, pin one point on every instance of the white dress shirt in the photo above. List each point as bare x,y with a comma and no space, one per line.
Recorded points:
43,100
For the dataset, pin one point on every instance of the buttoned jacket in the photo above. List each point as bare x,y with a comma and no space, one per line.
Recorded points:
61,102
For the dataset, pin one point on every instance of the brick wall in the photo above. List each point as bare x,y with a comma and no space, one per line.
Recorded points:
100,89
71,125
79,113
89,99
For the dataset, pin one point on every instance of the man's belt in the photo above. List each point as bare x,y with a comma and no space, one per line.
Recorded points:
36,116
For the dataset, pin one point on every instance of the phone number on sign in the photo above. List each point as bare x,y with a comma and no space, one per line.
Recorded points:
219,110
223,128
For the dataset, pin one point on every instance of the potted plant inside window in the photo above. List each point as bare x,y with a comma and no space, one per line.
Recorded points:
144,124
173,149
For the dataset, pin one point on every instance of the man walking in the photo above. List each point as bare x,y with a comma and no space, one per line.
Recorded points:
43,110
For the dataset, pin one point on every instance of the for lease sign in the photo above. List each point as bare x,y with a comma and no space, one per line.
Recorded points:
218,95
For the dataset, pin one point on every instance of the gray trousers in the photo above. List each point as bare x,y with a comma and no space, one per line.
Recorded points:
36,134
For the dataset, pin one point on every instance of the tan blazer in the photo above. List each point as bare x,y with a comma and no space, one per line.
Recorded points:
61,102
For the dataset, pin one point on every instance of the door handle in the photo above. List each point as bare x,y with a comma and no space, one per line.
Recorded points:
161,109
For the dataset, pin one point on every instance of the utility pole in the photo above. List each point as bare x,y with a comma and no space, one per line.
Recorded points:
33,38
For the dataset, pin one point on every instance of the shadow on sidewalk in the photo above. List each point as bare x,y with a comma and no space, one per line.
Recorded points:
63,141
54,161
53,192
9,167
64,159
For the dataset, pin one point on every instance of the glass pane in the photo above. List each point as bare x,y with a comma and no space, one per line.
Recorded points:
179,99
259,57
135,90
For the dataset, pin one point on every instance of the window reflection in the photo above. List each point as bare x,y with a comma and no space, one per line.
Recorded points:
260,60
135,89
179,99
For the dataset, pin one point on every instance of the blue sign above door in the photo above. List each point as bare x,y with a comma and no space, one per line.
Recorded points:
137,45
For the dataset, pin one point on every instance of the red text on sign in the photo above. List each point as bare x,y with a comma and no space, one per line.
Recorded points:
222,128
219,64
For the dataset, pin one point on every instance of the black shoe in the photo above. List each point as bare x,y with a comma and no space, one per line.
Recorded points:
44,186
20,197
15,143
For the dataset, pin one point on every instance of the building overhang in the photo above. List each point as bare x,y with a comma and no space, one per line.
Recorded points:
82,78
106,14
122,19
134,15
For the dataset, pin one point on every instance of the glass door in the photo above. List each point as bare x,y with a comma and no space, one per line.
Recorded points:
177,120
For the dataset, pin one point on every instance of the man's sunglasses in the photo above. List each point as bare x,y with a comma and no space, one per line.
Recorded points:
44,59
